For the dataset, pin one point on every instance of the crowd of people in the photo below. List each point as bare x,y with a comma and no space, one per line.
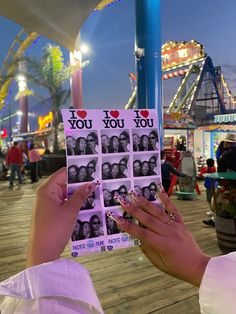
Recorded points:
226,162
20,162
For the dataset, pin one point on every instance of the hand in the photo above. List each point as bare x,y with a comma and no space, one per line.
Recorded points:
54,218
166,241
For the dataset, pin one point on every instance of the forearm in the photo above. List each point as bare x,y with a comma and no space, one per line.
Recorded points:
175,171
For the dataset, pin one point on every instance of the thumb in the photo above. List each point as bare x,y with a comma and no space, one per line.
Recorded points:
79,197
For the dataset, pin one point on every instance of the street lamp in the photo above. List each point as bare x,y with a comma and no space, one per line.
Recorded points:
84,48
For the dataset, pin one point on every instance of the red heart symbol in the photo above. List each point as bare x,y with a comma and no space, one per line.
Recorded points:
144,113
114,113
81,113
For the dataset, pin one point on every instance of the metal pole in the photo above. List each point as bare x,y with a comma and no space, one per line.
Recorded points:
76,77
10,131
139,53
148,53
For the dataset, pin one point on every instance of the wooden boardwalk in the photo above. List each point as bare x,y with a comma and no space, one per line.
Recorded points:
125,280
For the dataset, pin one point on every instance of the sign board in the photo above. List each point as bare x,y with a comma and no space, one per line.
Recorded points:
45,121
178,53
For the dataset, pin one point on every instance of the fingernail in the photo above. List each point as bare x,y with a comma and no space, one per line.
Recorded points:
160,188
123,201
133,195
91,187
116,218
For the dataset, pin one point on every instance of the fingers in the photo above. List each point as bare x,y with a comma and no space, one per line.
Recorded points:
166,201
153,223
77,200
151,208
146,236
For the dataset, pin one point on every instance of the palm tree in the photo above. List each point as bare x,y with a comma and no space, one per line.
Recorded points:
50,72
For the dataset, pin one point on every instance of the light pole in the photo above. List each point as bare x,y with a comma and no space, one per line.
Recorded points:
76,77
23,99
10,131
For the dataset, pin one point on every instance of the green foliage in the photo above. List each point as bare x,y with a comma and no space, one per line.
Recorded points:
226,200
53,69
50,72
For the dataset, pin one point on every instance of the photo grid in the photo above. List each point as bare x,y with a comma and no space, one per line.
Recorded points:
122,160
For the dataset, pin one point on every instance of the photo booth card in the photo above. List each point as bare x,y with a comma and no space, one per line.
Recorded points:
120,148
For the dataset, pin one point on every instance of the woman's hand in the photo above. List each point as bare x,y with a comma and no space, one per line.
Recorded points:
54,218
166,241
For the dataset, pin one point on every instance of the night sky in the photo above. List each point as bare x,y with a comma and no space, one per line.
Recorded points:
111,32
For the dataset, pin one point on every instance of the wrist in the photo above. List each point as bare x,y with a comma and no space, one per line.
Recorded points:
200,270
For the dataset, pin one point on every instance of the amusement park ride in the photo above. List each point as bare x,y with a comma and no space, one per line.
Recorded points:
202,92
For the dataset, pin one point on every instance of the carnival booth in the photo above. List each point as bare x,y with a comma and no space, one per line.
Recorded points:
43,136
43,140
207,138
178,135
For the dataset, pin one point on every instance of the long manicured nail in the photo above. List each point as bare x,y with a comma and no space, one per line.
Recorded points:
133,194
116,218
123,201
91,187
160,188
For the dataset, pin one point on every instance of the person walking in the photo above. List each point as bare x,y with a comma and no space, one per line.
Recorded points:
209,193
34,159
166,170
14,162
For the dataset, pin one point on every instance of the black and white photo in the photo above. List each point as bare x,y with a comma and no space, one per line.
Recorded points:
82,170
84,144
145,165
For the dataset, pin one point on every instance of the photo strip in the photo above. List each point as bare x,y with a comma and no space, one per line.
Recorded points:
120,150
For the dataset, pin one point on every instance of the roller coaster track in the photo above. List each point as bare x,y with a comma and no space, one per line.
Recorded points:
21,42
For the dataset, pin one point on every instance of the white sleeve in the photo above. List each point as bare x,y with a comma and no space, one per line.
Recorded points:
62,286
217,294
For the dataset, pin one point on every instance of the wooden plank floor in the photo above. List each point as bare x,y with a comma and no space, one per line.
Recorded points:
125,280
